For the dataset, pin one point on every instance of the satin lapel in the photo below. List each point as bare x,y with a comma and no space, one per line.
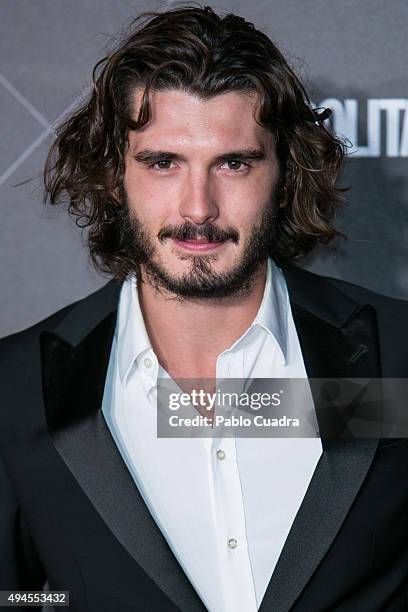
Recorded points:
339,339
75,358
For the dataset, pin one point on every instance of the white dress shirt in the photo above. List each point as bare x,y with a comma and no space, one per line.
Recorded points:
225,515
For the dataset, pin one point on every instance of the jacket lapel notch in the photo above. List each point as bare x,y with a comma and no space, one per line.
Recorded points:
73,377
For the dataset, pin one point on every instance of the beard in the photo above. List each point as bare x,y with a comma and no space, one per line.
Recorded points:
200,281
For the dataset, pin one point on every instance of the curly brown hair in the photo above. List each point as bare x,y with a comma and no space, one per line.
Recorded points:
205,54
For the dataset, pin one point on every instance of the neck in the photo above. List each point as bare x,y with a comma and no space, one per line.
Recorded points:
187,336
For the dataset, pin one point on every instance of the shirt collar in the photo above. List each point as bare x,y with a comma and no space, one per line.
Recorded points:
132,336
133,339
272,315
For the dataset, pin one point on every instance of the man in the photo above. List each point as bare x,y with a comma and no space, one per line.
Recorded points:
201,172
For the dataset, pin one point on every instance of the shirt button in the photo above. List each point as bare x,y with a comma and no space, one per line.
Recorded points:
220,454
148,362
232,543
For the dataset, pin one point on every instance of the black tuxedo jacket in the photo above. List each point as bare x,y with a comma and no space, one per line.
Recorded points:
71,514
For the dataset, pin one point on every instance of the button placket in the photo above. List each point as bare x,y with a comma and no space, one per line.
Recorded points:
229,494
229,510
237,575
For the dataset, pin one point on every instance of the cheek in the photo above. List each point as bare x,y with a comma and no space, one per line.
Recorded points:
244,202
147,198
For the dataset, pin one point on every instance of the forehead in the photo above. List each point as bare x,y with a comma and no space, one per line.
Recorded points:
181,119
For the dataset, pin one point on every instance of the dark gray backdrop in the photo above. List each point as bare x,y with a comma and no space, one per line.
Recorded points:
351,53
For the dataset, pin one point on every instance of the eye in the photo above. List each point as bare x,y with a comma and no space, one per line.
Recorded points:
235,164
162,164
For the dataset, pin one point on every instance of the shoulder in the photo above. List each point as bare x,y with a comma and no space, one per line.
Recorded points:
54,319
21,406
366,296
392,313
19,346
360,295
341,299
20,352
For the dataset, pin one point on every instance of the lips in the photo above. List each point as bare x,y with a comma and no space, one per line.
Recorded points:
199,244
202,240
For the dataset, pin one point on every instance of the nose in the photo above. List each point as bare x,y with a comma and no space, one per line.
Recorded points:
198,203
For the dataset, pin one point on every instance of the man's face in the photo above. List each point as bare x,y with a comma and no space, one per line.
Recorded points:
199,185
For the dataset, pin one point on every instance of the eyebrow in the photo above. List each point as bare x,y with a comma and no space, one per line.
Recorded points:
150,156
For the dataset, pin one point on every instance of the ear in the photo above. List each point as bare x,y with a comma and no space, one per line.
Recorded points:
115,194
118,194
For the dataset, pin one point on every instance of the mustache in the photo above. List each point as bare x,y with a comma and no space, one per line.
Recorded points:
188,231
